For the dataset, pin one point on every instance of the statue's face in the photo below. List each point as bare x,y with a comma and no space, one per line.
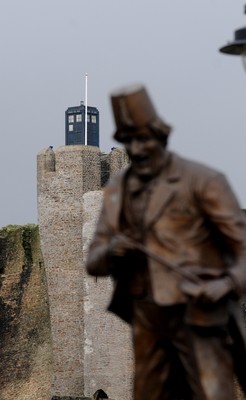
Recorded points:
146,152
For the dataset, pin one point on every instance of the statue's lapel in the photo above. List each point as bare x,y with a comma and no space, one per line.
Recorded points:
113,200
163,192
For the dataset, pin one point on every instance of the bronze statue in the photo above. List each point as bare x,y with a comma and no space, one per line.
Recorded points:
173,237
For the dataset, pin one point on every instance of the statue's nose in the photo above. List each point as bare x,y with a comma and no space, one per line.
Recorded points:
135,147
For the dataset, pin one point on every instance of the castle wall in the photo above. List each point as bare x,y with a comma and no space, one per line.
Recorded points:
108,360
91,348
63,176
118,160
25,345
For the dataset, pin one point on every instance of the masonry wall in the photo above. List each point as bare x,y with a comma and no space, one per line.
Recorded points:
63,177
25,345
108,360
118,160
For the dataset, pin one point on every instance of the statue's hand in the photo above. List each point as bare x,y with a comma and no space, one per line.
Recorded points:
191,289
208,291
215,289
120,245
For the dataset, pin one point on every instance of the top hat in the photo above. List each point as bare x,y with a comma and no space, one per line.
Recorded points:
133,109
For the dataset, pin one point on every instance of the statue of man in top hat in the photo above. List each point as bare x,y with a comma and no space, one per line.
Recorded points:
173,237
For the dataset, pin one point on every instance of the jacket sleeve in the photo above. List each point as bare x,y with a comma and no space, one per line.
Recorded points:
221,206
98,261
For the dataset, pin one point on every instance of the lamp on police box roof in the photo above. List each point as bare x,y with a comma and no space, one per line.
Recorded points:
238,46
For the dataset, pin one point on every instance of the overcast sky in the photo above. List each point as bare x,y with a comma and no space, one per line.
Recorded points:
47,47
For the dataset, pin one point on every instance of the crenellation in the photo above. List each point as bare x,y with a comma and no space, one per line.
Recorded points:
105,168
50,161
118,160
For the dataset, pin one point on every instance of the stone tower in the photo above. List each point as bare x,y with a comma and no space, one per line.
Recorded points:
91,348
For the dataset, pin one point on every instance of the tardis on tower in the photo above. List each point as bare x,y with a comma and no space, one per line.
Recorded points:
75,125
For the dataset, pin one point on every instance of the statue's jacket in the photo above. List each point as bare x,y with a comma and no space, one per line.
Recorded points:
193,221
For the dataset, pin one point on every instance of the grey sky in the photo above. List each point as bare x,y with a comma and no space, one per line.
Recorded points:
47,46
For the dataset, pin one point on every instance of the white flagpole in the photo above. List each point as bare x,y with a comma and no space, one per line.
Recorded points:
86,75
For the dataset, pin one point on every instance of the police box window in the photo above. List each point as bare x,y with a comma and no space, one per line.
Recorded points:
78,117
93,119
71,118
